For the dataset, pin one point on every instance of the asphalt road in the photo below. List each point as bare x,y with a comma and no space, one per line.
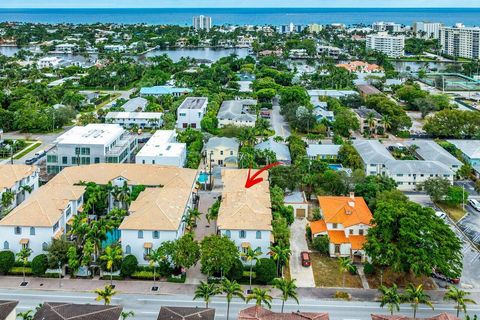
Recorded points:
147,307
278,123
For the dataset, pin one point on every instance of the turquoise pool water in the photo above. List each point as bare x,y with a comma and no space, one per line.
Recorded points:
112,238
203,177
335,167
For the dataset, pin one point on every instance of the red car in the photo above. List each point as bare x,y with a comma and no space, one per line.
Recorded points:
305,256
440,276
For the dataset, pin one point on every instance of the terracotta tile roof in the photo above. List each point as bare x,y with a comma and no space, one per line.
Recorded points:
348,211
318,226
441,316
11,173
241,208
337,236
259,313
67,311
6,308
357,241
186,313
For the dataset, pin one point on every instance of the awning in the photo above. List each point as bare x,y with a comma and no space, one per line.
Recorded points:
245,244
24,241
148,245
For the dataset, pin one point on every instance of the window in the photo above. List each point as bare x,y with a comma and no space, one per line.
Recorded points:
334,225
259,235
231,153
228,234
85,151
55,226
52,159
221,152
97,160
351,231
44,246
128,249
360,232
155,234
74,160
140,234
32,231
85,160
6,245
18,230
64,160
77,150
337,249
243,234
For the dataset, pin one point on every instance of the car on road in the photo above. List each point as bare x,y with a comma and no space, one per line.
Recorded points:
475,204
31,161
40,154
440,276
440,214
305,256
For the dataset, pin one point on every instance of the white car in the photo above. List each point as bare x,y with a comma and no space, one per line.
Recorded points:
440,214
475,204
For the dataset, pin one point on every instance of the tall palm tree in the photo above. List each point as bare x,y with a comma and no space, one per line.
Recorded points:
280,255
105,294
111,256
371,121
260,296
390,298
231,289
154,258
288,289
345,265
416,296
206,291
250,256
124,196
23,256
458,296
386,122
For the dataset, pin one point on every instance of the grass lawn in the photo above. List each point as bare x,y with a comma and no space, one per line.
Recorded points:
400,279
456,213
326,273
30,146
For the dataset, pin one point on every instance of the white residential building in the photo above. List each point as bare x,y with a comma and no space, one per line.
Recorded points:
66,47
115,48
429,150
139,119
222,151
428,30
191,112
49,62
17,179
202,23
392,46
387,26
323,151
94,143
460,41
329,51
238,113
245,215
137,104
163,149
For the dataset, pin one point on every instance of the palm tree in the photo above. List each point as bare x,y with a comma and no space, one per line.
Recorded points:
371,120
260,296
345,265
386,122
390,298
23,256
111,256
288,289
127,314
154,259
458,296
105,294
280,255
124,196
25,315
231,289
206,291
416,296
250,256
7,199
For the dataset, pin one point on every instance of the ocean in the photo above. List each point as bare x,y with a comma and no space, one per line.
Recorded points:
246,16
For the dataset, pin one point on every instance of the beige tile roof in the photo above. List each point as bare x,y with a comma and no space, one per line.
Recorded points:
11,173
241,208
157,209
44,207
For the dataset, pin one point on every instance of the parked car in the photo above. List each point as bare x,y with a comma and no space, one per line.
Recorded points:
305,256
441,214
441,276
475,204
31,161
40,154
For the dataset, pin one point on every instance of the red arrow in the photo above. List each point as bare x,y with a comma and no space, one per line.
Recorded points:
253,180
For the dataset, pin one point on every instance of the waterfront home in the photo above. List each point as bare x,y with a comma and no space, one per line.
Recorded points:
222,151
191,112
163,149
17,180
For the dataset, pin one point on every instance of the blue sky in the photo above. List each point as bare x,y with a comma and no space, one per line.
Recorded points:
232,3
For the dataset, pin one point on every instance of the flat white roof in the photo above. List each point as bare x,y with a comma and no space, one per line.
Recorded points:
94,134
162,144
134,115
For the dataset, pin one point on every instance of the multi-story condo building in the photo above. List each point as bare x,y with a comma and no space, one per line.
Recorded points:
428,30
245,215
163,148
191,112
19,181
94,143
460,41
291,28
382,26
202,23
392,46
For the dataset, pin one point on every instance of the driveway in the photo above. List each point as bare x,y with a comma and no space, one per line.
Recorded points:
298,243
278,123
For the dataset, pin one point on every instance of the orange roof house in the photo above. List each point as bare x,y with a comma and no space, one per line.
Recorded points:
346,221
360,66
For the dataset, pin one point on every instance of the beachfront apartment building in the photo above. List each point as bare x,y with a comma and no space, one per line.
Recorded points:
427,30
17,180
202,23
163,149
393,46
460,41
93,143
245,215
238,113
139,119
191,112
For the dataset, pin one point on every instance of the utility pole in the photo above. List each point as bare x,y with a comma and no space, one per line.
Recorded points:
210,168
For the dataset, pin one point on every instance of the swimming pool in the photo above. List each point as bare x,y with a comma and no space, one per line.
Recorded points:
335,166
112,238
202,178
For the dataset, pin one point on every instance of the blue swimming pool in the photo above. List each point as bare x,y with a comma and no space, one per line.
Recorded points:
203,178
112,238
335,166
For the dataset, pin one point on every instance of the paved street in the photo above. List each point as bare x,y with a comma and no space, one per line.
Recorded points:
279,124
298,243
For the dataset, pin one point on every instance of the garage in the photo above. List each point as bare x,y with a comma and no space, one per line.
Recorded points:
300,213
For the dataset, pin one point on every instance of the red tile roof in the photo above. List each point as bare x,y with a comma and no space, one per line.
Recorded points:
259,313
